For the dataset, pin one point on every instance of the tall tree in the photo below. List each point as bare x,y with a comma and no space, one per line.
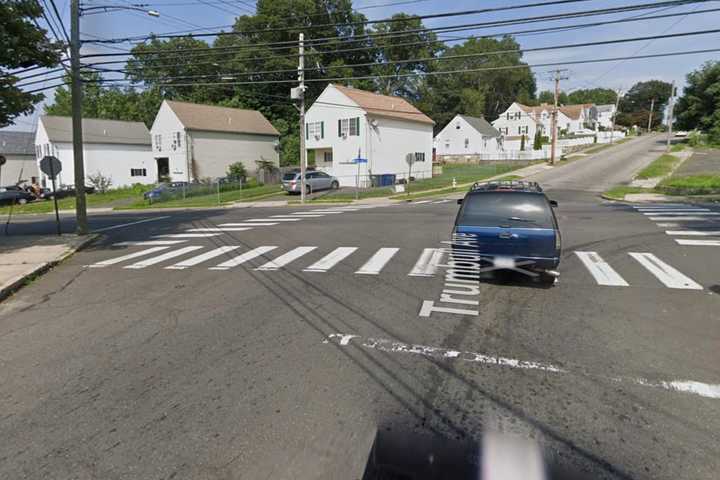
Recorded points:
598,96
635,105
23,44
699,106
480,93
548,96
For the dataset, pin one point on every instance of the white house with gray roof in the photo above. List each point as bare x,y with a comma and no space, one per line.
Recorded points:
466,136
116,149
18,148
192,142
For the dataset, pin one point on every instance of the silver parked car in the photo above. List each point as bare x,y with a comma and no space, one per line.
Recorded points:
314,181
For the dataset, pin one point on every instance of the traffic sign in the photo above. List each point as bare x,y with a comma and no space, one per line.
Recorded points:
360,160
50,166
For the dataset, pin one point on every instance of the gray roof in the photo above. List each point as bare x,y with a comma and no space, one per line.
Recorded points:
17,143
605,108
481,125
59,129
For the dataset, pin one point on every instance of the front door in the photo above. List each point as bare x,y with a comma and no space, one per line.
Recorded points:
163,169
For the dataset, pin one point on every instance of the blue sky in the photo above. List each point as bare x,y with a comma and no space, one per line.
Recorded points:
622,75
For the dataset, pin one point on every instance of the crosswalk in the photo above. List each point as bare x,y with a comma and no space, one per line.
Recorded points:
426,262
685,220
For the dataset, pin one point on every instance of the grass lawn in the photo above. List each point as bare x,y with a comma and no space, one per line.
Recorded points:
209,200
660,167
68,203
691,185
618,192
462,173
677,147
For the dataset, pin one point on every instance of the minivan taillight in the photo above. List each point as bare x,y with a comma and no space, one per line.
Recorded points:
558,241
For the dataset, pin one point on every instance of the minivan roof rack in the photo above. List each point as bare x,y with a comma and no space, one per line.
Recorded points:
514,185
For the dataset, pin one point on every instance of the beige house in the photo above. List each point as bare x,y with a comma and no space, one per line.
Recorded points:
18,148
191,142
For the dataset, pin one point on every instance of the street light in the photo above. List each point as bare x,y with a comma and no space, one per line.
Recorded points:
76,95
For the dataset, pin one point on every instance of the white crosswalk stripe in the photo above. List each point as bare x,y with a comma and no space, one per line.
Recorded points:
248,224
422,201
148,243
260,220
601,271
161,258
674,210
331,259
684,213
668,275
426,265
203,257
219,229
188,235
286,258
677,219
245,257
124,258
296,217
699,233
325,212
441,201
377,262
700,243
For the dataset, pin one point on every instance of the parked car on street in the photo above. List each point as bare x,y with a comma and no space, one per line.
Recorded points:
13,194
314,181
513,227
164,190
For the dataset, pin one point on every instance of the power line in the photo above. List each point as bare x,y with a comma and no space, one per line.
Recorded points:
384,20
448,72
449,57
59,18
333,52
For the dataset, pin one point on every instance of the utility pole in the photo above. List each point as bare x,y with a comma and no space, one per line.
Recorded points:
652,107
671,107
77,137
555,113
301,81
614,115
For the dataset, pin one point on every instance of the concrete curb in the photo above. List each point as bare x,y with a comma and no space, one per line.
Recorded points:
18,282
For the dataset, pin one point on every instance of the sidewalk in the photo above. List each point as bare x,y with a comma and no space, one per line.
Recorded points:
22,257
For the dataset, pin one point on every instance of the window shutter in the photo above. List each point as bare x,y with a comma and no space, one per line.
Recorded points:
307,131
357,125
322,129
339,128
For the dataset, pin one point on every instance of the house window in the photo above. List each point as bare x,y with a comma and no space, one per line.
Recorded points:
315,130
447,143
138,172
517,115
507,116
419,156
467,142
349,127
177,142
457,126
327,157
158,142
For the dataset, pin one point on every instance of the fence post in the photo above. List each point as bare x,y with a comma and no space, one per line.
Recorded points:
218,191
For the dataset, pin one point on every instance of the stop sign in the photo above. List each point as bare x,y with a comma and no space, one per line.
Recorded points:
50,166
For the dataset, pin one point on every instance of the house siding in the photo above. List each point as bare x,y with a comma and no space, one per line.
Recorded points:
213,152
451,140
163,134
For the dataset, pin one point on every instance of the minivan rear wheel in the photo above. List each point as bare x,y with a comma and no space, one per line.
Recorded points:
334,185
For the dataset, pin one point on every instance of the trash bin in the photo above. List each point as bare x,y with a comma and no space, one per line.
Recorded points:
387,180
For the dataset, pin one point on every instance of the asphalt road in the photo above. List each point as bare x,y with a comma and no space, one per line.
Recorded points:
203,364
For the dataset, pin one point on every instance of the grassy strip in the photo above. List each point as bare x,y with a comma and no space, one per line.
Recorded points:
210,200
691,185
68,203
618,192
660,167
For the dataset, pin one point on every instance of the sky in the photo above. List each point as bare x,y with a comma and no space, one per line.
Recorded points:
186,14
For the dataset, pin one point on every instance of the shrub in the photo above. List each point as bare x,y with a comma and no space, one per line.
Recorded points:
236,171
99,181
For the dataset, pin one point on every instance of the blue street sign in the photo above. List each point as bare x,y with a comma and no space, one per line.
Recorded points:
359,160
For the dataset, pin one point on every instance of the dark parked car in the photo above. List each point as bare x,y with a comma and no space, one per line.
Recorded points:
512,227
164,190
12,194
314,181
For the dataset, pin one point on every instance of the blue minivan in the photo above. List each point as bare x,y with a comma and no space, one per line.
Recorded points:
512,226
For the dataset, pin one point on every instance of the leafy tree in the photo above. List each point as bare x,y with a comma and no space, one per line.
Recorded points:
598,96
486,93
548,96
635,105
23,45
699,106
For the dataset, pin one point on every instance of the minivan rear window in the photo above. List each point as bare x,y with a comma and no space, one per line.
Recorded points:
510,209
289,176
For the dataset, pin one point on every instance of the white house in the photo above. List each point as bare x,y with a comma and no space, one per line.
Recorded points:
116,149
345,123
19,152
605,115
520,120
465,136
191,142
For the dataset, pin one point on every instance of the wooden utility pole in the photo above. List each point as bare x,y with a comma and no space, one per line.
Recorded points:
671,107
77,137
614,115
652,107
301,81
553,146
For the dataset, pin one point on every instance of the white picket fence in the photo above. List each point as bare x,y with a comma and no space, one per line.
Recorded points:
512,149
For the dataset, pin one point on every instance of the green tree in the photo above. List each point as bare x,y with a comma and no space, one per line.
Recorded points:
481,93
22,45
635,105
548,96
537,141
598,96
699,106
236,171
